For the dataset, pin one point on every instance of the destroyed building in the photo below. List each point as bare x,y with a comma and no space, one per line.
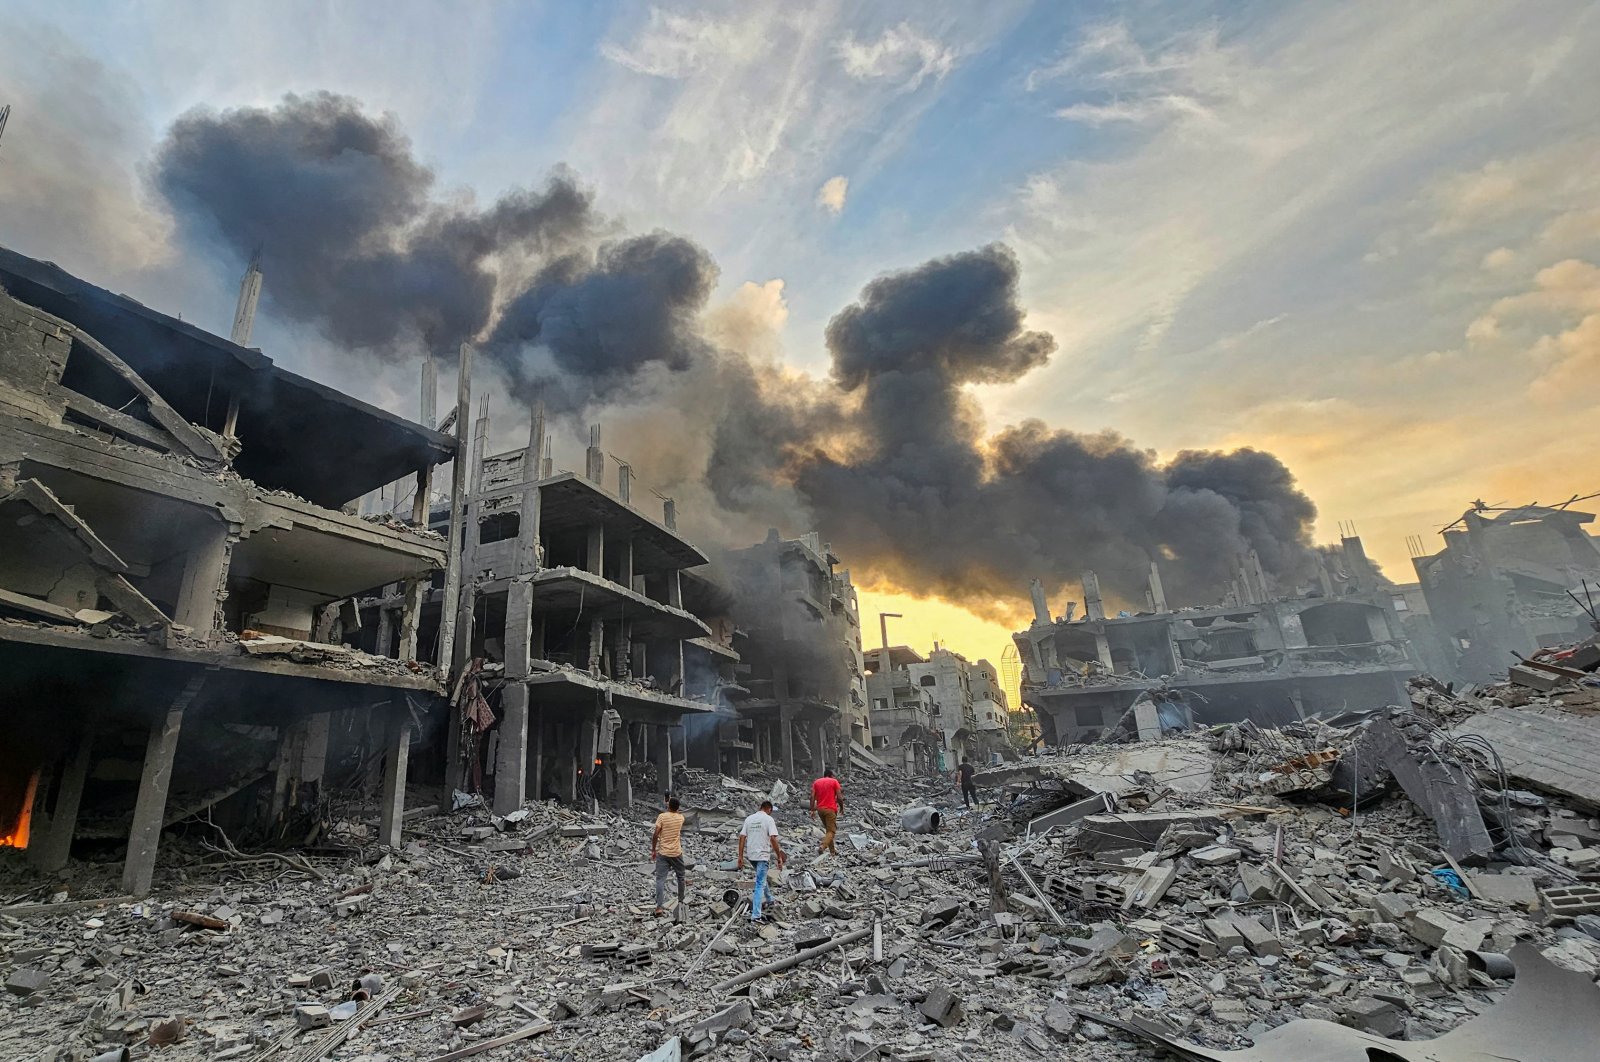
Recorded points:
801,653
1508,581
905,717
179,576
577,657
1258,655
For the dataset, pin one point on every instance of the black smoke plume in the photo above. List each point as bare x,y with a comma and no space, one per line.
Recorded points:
890,459
344,217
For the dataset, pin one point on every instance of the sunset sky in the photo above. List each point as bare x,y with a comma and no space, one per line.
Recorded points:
1365,237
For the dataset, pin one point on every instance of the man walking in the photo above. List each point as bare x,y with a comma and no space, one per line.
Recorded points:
758,840
969,789
666,849
827,801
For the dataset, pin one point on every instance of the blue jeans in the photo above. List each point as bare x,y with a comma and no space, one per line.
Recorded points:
761,887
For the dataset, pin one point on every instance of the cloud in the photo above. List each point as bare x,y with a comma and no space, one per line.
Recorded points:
831,195
679,46
900,54
1119,80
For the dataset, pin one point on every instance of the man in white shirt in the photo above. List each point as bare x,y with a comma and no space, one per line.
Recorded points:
758,840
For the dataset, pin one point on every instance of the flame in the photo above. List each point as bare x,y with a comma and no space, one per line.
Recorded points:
18,837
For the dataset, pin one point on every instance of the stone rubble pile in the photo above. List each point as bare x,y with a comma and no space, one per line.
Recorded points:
1214,885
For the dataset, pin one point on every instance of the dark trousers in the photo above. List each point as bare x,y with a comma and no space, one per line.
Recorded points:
969,794
666,864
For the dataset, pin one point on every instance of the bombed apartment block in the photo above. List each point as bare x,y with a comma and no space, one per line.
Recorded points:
577,657
801,650
179,578
1508,582
931,712
1258,656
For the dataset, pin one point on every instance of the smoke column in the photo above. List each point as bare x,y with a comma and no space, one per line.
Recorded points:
889,458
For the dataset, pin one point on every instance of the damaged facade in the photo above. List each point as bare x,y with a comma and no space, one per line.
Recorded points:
178,577
1257,656
800,690
1507,582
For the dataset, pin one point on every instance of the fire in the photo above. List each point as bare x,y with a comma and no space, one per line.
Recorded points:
18,837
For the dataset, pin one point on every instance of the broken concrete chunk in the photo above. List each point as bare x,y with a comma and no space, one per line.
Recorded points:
942,1007
1374,1016
1215,855
1103,833
1257,937
312,1016
26,982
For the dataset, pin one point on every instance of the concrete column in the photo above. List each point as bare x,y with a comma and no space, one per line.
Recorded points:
150,808
519,628
594,458
786,742
1158,595
594,554
205,573
597,642
511,759
1102,649
535,774
662,747
588,743
314,752
625,564
1093,606
411,616
621,653
675,588
396,756
622,767
819,757
1041,606
286,765
669,514
51,847
536,648
566,761
383,637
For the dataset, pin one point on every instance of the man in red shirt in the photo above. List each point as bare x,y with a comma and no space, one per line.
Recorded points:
827,801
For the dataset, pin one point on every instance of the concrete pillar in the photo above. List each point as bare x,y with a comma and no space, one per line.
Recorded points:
383,637
286,765
205,573
1260,574
411,615
594,554
314,750
1093,607
564,738
588,743
621,651
1041,606
594,458
511,759
786,742
597,642
518,640
622,767
1102,649
536,758
1158,595
396,756
669,514
819,755
51,846
150,808
662,747
625,564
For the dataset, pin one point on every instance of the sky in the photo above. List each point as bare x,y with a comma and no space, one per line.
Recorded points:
1364,236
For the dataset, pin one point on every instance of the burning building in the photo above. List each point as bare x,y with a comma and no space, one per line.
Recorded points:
1509,581
801,653
179,575
1256,656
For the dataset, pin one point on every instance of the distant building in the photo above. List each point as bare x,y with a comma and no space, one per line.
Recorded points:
1509,582
1257,656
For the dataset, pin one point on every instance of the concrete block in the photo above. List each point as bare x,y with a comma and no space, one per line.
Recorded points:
1392,906
26,981
942,1007
1468,936
1224,933
1572,900
1516,890
1257,883
1430,926
1152,886
1374,1016
1257,937
1215,855
1102,833
312,1016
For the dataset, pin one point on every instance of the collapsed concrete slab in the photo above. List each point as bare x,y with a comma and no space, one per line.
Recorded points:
1551,750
